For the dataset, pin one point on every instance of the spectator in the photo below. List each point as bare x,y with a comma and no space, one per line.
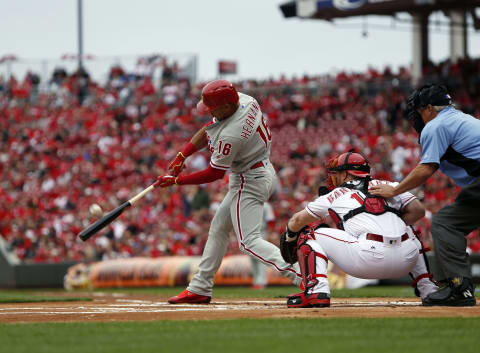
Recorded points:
55,160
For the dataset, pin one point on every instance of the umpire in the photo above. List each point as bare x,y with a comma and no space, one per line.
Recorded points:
450,140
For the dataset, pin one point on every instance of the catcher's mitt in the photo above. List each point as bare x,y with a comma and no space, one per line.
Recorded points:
288,249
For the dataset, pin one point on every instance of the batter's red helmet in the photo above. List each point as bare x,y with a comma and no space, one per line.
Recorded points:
352,162
216,94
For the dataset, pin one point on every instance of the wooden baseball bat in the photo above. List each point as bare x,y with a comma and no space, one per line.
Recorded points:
93,228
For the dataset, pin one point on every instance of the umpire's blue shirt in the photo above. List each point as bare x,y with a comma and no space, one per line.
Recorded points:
452,140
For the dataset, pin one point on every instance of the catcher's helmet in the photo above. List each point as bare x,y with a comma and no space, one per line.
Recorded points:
353,163
216,94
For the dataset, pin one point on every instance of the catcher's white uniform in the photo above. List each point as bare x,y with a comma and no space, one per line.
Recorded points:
241,143
370,246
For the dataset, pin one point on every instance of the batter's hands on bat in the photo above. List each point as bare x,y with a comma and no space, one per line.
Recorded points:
166,180
177,165
384,190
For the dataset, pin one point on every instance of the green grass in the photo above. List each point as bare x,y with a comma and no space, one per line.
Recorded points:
48,295
323,335
247,336
29,296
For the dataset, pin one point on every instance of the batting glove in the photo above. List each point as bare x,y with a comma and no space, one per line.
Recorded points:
166,180
177,165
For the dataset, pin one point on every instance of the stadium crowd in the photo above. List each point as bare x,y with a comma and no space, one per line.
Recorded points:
78,143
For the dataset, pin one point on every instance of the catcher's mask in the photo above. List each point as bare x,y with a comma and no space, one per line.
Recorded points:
351,162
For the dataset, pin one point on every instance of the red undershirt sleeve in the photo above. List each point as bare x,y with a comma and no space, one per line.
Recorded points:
189,150
202,177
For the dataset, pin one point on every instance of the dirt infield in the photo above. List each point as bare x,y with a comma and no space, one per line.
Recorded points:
123,307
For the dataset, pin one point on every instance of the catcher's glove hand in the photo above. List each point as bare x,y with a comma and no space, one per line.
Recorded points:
288,249
288,245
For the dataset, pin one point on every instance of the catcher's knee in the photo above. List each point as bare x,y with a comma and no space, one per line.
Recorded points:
304,237
307,260
304,249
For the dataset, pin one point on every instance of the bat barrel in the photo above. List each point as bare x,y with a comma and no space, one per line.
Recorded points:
88,232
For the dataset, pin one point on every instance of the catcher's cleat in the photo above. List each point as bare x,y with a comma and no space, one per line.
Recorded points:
302,300
458,292
187,297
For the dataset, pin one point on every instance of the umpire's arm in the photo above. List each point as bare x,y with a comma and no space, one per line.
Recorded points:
417,177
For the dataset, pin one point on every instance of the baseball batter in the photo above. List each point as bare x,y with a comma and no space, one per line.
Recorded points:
374,239
239,139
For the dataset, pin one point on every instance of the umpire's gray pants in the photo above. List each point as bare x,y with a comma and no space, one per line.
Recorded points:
449,227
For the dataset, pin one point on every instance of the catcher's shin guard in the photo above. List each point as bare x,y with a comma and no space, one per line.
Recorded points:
307,262
308,267
423,282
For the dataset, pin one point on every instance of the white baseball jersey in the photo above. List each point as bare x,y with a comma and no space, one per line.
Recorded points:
241,140
342,200
392,252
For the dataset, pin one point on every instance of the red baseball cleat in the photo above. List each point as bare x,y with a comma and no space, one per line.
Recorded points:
300,300
187,297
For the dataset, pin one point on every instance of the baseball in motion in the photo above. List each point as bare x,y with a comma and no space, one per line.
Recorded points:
95,210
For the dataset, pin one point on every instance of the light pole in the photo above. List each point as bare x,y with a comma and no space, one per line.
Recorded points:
80,34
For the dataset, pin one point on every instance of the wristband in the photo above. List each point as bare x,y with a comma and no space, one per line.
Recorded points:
291,236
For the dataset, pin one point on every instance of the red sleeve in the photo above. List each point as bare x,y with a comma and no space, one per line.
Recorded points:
189,150
202,177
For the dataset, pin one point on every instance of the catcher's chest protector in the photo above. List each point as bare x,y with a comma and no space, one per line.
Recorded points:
372,204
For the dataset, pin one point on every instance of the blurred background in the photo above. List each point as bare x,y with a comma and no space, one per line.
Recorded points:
97,97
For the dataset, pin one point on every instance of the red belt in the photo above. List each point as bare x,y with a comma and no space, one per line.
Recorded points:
378,237
257,165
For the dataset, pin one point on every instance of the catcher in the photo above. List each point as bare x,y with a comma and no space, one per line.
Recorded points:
374,239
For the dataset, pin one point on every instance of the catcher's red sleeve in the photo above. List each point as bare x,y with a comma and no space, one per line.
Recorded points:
202,177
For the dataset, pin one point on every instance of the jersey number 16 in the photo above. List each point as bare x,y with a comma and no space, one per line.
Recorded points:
265,135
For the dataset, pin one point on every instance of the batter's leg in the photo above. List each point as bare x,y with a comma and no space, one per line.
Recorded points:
247,212
259,273
215,248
